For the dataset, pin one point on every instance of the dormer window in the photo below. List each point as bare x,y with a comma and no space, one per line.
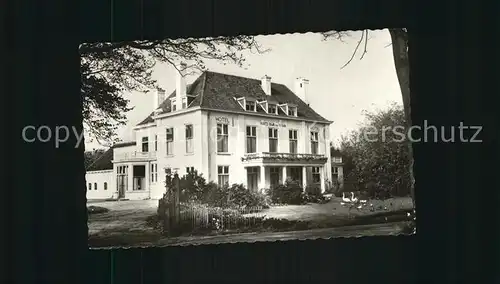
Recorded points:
250,106
263,105
271,108
292,111
284,108
241,102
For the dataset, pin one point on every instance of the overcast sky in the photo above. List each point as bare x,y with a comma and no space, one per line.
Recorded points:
337,94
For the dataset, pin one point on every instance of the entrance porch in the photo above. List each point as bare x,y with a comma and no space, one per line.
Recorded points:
133,181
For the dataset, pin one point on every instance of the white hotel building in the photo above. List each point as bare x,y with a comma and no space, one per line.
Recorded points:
231,129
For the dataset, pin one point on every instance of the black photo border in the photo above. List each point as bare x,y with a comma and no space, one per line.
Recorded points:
47,230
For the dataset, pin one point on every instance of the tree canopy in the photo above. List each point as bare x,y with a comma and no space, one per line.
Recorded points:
380,159
110,69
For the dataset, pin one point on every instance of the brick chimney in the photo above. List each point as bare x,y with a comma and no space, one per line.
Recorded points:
301,88
266,85
180,85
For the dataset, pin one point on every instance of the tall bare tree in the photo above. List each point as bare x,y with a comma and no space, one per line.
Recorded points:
110,69
399,39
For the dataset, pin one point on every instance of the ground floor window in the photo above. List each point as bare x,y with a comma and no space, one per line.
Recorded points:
335,170
274,173
154,172
223,175
252,178
121,180
316,174
295,174
139,177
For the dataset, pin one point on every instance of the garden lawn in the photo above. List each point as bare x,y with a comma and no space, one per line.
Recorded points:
330,210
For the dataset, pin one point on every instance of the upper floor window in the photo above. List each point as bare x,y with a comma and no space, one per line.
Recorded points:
271,108
90,186
156,143
189,138
184,102
292,134
105,186
222,138
145,144
250,106
273,140
292,111
170,141
95,185
314,142
251,145
337,159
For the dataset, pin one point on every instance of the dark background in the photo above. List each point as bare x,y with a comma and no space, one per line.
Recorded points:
44,197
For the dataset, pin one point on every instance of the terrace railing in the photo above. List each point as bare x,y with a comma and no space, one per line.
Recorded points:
268,156
135,156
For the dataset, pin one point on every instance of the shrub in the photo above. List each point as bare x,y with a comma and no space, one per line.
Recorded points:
313,194
289,193
192,187
215,195
239,196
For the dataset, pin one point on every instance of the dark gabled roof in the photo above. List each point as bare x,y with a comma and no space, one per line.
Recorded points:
124,144
104,162
217,91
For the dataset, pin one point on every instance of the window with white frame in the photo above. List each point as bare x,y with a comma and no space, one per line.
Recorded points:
95,185
173,104
184,103
273,140
292,135
156,143
274,176
170,141
90,186
251,145
189,170
337,159
222,138
145,144
292,111
250,106
105,186
316,174
154,172
271,108
189,138
252,178
223,175
335,170
314,142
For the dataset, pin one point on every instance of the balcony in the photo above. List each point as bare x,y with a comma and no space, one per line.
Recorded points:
285,158
135,156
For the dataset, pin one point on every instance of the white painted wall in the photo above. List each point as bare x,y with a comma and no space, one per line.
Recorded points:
99,178
237,141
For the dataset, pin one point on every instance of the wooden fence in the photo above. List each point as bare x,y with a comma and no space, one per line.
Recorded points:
178,218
